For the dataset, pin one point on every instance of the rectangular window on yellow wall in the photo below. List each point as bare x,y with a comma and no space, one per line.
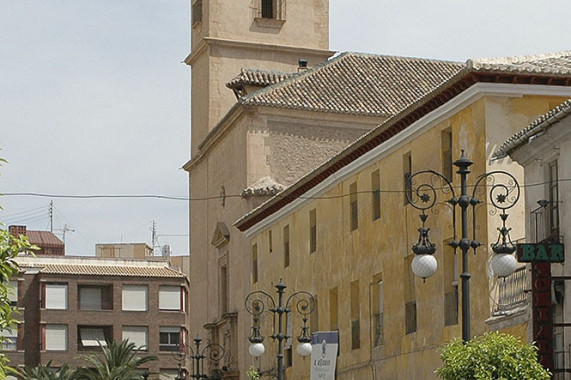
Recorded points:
270,241
286,246
312,231
223,289
354,206
376,198
446,142
450,272
378,302
254,263
333,309
314,316
407,172
355,316
409,296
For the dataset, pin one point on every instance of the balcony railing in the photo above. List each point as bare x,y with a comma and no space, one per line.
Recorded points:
512,292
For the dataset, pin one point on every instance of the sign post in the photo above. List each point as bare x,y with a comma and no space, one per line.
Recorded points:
324,355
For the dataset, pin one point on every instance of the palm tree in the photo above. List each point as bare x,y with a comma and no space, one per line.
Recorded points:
119,361
44,372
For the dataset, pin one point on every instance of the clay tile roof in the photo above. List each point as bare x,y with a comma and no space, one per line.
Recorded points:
259,78
262,187
108,270
355,83
550,64
44,238
537,126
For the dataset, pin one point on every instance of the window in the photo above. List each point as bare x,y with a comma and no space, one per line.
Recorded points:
223,289
314,316
378,294
93,337
13,292
267,8
554,200
254,263
407,172
450,272
312,231
135,297
286,246
376,198
54,337
355,316
333,309
169,338
10,342
354,206
270,241
54,296
446,149
409,296
170,298
287,347
95,297
137,334
197,12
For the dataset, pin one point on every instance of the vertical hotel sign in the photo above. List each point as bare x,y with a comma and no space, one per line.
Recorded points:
541,256
324,355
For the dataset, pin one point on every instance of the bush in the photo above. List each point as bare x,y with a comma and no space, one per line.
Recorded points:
491,356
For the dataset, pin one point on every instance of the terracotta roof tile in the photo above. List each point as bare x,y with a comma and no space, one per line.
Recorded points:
259,78
107,270
354,83
44,238
551,64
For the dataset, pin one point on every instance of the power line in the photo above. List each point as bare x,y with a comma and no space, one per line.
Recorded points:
180,198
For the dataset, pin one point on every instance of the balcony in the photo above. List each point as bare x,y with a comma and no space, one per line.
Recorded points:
511,292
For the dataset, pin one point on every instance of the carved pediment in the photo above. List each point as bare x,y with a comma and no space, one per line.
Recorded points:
221,235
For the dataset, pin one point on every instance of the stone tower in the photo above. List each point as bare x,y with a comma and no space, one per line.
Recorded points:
229,35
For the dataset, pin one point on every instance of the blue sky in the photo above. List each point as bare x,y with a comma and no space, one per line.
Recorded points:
94,98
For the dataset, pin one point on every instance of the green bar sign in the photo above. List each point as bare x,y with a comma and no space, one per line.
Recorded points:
528,253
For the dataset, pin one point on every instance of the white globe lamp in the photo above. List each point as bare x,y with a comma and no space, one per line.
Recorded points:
257,349
304,349
424,266
504,264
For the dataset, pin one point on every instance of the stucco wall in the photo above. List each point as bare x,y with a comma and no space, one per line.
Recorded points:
379,248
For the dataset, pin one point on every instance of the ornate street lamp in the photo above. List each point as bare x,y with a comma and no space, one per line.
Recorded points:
503,193
212,351
256,303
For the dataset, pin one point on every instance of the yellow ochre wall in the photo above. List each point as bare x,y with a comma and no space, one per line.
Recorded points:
377,249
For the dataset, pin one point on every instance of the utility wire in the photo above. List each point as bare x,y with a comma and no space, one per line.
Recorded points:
180,198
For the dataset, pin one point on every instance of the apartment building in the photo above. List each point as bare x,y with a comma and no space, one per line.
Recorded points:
69,306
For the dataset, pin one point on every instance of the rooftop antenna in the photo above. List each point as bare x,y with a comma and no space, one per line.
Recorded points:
51,214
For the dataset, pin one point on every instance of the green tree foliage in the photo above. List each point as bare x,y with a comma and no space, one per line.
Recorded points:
45,372
491,356
117,361
10,246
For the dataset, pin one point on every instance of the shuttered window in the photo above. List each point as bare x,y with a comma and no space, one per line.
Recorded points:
169,298
92,337
135,297
55,296
136,334
55,338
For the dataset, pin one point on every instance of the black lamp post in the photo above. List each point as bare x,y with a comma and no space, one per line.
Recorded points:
503,193
212,351
256,304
